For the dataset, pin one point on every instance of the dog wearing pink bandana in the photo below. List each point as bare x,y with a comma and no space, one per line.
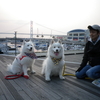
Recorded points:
53,64
24,60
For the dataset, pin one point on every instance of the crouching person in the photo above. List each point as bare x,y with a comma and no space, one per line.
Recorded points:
90,66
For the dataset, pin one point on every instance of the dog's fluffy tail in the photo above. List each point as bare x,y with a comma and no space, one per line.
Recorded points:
9,67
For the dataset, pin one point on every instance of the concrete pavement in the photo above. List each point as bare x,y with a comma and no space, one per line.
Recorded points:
68,52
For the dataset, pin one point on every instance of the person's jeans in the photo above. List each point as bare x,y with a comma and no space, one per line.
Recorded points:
88,71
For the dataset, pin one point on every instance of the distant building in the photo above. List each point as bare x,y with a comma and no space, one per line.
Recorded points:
78,35
61,37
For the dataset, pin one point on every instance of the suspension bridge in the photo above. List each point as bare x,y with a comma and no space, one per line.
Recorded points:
36,30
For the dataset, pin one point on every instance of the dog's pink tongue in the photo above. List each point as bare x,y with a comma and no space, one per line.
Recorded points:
56,53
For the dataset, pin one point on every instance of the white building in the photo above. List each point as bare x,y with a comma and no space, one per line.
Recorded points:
78,35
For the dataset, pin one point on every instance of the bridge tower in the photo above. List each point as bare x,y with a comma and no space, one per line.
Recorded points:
31,30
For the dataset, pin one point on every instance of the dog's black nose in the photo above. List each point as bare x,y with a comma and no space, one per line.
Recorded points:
57,50
31,48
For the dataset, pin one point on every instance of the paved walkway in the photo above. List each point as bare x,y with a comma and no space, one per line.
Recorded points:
43,54
69,52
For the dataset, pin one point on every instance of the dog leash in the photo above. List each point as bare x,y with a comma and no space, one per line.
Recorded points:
9,77
67,74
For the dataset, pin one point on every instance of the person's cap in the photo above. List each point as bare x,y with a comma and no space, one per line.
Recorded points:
94,27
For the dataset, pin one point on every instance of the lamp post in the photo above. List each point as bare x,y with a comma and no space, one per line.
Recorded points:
15,42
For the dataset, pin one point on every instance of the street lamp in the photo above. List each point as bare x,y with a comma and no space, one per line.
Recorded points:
15,42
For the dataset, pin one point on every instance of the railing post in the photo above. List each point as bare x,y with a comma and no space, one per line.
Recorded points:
15,42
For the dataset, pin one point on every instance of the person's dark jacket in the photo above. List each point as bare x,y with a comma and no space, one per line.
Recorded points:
91,54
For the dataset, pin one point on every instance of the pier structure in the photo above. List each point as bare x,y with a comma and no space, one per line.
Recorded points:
36,88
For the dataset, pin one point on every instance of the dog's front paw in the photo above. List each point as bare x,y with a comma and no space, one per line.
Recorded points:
61,77
26,76
47,79
33,71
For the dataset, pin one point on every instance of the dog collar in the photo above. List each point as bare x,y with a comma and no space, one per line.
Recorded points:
31,55
55,60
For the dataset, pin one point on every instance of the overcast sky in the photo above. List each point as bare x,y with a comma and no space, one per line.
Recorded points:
60,15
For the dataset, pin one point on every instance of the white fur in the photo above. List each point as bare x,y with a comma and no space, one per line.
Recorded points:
48,67
18,66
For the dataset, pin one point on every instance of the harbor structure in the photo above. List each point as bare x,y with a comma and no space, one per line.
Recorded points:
78,35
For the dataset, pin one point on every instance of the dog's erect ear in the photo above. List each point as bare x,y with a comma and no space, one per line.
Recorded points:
52,41
30,40
59,41
24,42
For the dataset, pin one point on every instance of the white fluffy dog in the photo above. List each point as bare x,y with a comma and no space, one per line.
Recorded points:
54,62
24,60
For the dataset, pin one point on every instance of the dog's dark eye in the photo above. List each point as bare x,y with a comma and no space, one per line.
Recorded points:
54,47
58,47
27,45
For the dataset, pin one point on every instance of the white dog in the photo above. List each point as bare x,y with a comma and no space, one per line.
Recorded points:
24,60
54,62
